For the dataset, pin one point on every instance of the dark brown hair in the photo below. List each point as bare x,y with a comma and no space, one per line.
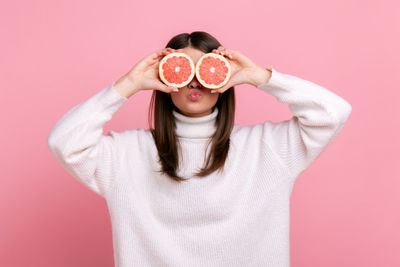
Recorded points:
164,122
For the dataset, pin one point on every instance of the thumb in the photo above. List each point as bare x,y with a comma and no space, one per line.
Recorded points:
222,89
234,80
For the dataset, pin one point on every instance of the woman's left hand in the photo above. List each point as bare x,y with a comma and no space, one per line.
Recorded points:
244,70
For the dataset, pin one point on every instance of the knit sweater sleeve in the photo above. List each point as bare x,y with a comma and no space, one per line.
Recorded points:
318,117
78,143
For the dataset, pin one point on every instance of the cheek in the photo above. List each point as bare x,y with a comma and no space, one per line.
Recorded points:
176,96
214,96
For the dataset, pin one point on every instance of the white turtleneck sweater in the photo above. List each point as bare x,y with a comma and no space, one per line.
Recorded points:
236,218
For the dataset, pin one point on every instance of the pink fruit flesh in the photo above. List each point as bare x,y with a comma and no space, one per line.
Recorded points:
177,69
213,71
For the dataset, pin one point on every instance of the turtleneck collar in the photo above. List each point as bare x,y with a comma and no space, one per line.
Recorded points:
195,127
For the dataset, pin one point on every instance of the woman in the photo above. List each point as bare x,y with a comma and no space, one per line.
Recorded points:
197,190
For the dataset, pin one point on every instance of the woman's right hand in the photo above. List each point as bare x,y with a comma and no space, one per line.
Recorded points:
144,75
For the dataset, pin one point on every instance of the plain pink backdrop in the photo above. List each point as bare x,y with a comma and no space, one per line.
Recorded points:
56,54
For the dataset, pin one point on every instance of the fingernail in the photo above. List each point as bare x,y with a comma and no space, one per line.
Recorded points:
176,90
213,91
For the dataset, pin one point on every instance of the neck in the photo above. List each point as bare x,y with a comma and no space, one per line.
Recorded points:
195,127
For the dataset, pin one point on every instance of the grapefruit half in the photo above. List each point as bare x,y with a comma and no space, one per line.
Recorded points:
213,70
176,69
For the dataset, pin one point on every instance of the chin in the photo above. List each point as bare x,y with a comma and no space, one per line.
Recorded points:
195,112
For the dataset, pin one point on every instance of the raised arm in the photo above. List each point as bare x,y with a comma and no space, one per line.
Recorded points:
78,143
318,117
77,139
318,114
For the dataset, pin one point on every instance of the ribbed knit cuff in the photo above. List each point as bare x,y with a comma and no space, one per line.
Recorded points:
295,90
110,98
271,80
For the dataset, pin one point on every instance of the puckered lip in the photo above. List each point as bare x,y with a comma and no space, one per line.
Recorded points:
194,90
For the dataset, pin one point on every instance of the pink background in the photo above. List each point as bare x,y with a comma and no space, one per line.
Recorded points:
56,54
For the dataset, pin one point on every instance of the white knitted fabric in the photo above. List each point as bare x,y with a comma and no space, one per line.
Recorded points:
236,218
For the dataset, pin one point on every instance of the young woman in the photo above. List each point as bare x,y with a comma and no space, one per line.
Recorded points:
197,189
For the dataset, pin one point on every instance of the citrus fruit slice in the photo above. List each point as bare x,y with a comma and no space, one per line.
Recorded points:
213,70
176,69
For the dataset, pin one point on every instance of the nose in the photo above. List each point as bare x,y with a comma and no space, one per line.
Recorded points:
195,84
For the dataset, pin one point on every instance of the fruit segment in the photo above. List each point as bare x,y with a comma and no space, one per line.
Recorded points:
213,70
176,69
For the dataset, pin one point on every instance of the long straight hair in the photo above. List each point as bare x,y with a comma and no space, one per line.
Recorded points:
163,132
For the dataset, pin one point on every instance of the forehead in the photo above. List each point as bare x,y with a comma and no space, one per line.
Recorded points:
193,53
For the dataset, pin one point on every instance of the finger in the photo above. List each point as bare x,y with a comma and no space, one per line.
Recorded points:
223,52
165,88
218,90
218,50
223,88
227,54
156,54
169,50
166,51
231,82
230,53
157,57
163,51
223,49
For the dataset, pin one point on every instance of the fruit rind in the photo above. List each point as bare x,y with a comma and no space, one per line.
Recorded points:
161,71
211,86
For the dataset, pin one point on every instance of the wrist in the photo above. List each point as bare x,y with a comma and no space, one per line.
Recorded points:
260,76
125,86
